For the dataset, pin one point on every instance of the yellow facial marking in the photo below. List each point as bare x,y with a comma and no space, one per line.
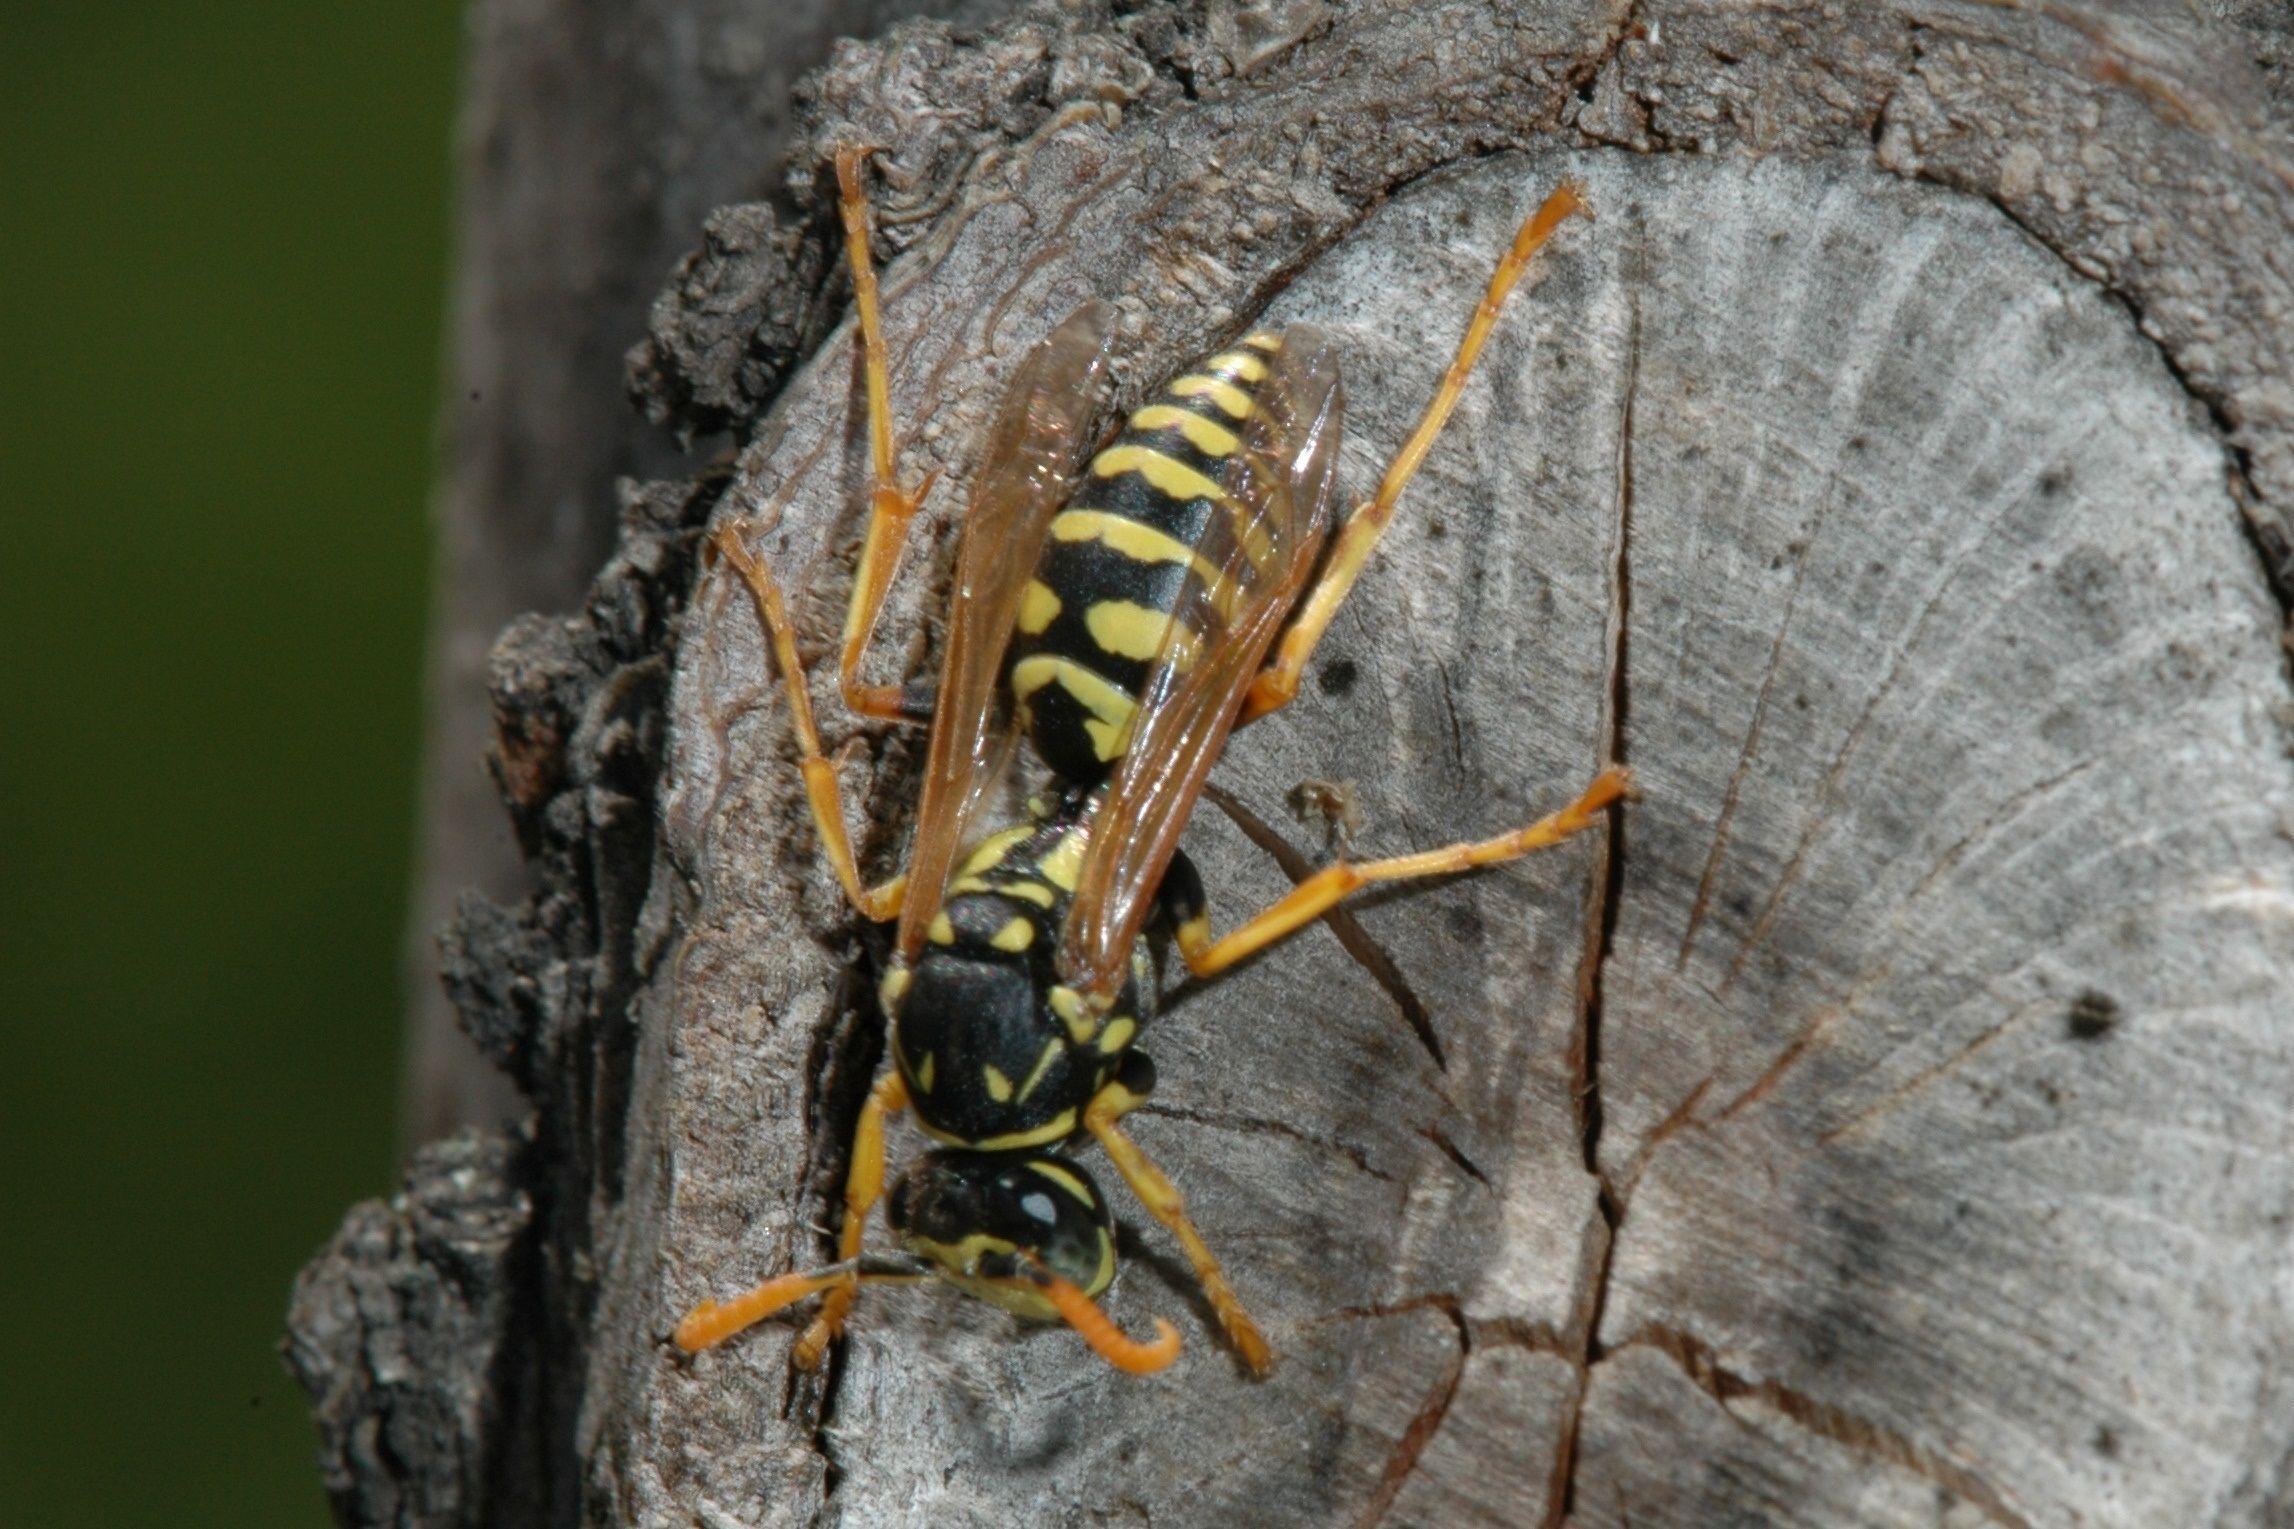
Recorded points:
1166,475
1127,629
1232,401
1105,1274
1029,891
1065,1178
964,1257
1051,1050
999,1086
1016,935
941,931
1237,363
1118,1034
1039,607
924,1073
1060,1127
1081,1023
1209,439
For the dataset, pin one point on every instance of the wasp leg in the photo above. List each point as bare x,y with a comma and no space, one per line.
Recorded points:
890,507
712,1322
821,790
1161,1197
863,1184
1326,888
1278,682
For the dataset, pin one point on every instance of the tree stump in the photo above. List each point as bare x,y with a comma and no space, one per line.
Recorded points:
1885,1124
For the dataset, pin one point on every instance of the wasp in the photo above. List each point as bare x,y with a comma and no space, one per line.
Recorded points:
1123,614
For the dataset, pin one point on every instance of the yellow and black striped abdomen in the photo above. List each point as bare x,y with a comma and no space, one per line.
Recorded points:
1118,558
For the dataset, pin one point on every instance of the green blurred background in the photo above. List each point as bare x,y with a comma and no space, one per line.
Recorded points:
225,236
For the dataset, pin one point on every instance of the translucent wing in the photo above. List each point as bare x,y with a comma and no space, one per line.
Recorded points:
1279,488
1026,473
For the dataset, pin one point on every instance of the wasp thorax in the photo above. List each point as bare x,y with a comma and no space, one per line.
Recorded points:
998,1055
991,1221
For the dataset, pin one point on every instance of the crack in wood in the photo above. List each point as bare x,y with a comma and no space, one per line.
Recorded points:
1411,1447
1355,940
1450,712
1522,1333
1752,734
1826,1420
1683,1116
1927,1075
1434,1133
1831,1014
1828,791
1605,892
1266,1125
1438,1300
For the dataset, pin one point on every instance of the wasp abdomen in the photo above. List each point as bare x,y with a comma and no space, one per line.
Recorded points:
1118,558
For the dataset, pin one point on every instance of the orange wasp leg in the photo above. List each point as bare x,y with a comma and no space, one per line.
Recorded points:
1333,884
890,507
712,1322
863,1185
1275,685
821,790
1161,1197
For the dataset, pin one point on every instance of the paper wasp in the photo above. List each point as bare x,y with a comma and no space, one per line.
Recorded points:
1124,617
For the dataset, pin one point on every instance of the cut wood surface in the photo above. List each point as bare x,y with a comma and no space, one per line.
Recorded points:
1885,1122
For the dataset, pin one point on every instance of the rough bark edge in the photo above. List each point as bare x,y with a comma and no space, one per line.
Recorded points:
404,1332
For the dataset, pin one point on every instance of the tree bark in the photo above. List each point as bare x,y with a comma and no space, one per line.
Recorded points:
595,139
1885,1124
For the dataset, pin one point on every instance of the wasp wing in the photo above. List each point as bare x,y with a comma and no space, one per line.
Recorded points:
1253,562
1027,472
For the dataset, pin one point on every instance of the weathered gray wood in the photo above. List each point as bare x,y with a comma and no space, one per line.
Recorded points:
1887,1126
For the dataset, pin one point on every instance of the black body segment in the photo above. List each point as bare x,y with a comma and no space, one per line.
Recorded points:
998,1054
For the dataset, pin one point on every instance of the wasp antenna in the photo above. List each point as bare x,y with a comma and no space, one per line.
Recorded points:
1098,1329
